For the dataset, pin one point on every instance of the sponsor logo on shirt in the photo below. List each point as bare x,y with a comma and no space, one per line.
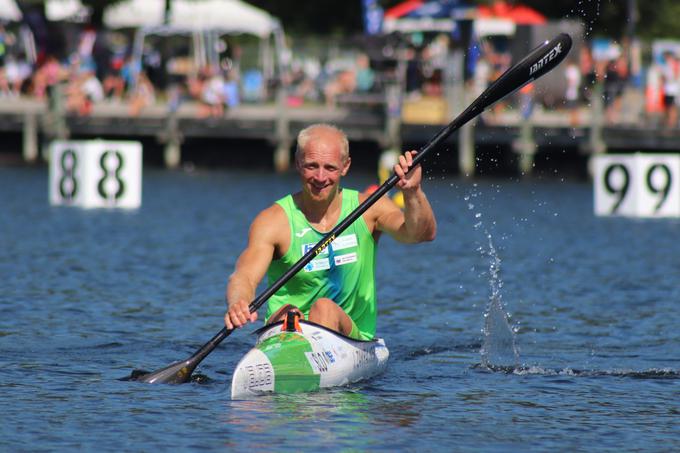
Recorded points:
345,259
323,262
302,232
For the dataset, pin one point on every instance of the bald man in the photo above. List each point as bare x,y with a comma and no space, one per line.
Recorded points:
337,288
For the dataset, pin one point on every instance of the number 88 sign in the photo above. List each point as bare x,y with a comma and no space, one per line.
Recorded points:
637,185
96,173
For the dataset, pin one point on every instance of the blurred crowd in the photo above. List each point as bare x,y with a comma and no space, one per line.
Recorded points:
91,74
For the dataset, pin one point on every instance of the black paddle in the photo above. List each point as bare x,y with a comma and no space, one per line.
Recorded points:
539,61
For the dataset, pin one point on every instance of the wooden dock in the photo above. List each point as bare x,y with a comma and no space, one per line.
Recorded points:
545,131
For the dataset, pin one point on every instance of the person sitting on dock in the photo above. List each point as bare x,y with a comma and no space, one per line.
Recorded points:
337,288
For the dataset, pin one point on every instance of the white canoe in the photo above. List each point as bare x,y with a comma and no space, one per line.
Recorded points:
289,362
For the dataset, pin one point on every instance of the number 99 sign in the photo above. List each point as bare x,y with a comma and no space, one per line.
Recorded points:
637,185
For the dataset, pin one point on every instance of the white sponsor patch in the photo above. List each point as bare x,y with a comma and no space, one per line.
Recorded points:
345,259
319,264
341,243
344,242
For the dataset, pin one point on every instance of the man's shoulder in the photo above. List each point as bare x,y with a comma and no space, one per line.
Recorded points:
271,225
275,213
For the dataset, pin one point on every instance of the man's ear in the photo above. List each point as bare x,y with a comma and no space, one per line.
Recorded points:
345,169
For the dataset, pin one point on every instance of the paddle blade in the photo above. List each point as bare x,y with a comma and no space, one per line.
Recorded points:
180,372
537,63
176,373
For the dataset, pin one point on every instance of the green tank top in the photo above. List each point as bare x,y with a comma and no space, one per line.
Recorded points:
344,271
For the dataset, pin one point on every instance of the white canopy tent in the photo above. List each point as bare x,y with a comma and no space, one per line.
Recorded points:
66,10
135,14
232,16
9,11
204,20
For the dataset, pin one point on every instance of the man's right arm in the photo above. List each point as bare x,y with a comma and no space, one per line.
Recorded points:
251,267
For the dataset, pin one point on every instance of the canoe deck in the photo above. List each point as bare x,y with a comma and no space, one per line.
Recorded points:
315,358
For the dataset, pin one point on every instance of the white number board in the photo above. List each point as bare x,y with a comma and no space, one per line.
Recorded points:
96,174
637,185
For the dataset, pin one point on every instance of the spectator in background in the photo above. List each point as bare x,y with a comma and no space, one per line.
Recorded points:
231,95
114,83
17,72
526,100
4,84
365,76
670,73
152,63
500,62
573,75
434,65
344,82
47,76
588,73
614,84
414,73
83,91
301,84
481,76
212,93
142,94
359,78
130,71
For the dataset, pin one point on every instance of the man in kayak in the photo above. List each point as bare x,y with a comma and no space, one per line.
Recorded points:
337,288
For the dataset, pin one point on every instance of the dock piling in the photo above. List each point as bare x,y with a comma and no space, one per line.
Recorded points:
525,146
283,136
171,137
30,137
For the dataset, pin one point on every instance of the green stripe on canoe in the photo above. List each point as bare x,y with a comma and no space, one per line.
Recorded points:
292,370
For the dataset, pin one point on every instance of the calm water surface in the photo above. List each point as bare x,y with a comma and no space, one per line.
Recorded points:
87,296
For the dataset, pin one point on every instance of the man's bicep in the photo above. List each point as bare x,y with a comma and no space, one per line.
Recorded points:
389,218
259,253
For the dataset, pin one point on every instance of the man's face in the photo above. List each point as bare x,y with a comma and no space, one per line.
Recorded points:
321,167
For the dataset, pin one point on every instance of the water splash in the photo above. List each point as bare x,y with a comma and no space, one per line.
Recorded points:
499,347
587,12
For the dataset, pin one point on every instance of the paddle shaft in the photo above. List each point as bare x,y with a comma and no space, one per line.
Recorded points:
537,63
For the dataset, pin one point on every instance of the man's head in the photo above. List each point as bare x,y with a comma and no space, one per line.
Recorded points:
319,132
322,158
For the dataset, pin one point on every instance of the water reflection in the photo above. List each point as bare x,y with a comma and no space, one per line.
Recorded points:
353,411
